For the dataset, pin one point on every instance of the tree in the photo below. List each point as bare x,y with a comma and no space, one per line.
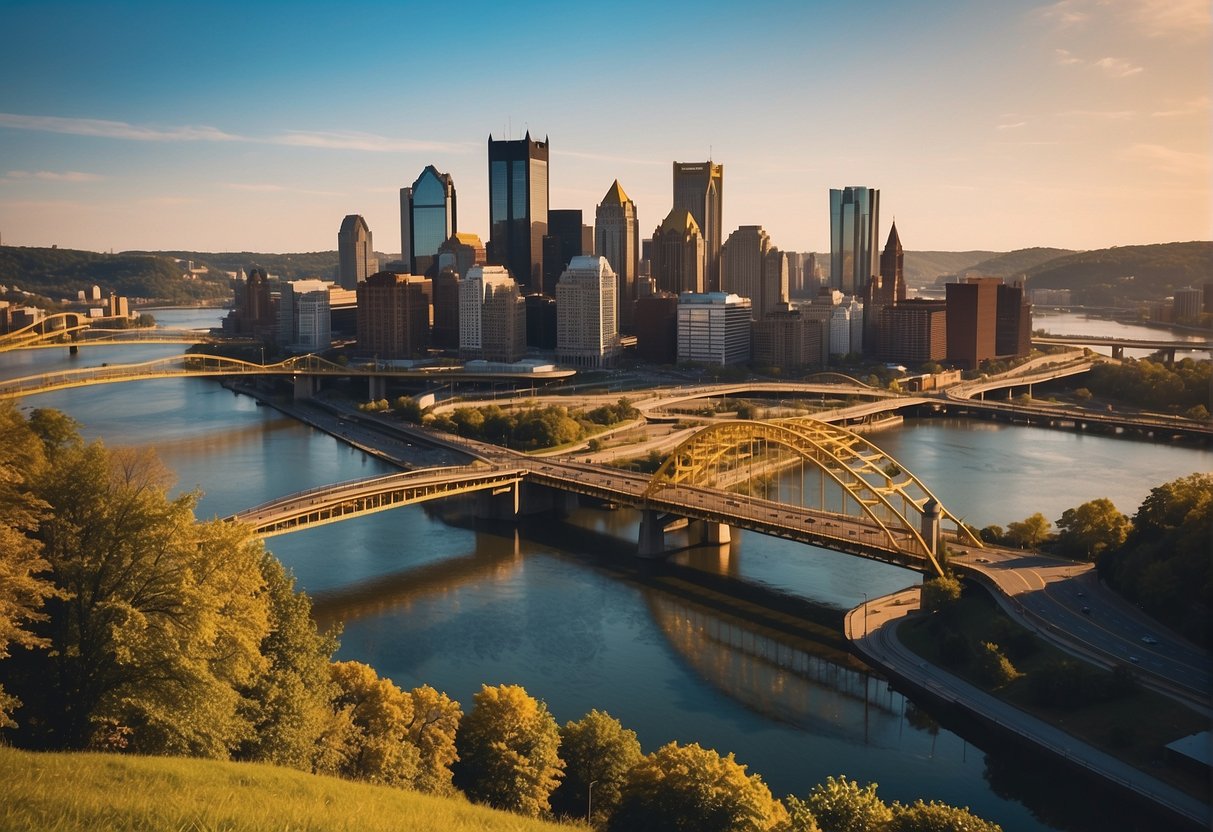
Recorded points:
994,668
289,704
598,750
162,617
1029,532
432,730
507,748
937,817
1092,529
689,788
939,594
375,715
840,805
22,587
800,817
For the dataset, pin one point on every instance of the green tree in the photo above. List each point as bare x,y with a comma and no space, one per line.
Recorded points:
599,750
1029,532
1091,529
840,805
994,668
686,787
507,747
937,817
163,616
939,594
373,744
22,587
289,704
432,730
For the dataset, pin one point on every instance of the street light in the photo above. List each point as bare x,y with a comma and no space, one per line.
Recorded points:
589,803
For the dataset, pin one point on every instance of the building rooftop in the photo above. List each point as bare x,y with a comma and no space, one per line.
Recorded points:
681,222
616,196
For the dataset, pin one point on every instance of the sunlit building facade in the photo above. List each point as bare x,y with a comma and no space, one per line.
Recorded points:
355,252
713,328
699,190
587,331
854,226
518,208
677,253
617,238
428,218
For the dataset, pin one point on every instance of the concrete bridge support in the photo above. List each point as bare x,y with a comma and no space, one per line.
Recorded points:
715,533
652,534
498,504
377,388
305,387
536,499
931,519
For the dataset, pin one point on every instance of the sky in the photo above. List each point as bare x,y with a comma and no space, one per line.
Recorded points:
259,125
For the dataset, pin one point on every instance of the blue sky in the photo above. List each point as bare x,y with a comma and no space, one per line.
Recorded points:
258,126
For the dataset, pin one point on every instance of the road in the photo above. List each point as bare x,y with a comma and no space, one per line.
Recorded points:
872,628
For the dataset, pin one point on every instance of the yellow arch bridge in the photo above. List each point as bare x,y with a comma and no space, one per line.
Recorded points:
74,330
799,479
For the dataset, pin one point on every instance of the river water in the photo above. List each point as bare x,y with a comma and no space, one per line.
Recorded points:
1076,323
454,605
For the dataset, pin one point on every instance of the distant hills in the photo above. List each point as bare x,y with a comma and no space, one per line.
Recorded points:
1126,274
321,264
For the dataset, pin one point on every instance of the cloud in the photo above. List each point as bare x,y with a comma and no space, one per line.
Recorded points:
1163,18
1011,125
1065,13
1193,106
1117,67
1168,160
54,176
1067,58
101,128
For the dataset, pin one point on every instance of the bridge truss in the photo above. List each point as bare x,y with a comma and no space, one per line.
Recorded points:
854,477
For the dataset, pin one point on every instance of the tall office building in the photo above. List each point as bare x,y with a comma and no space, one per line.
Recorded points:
355,252
713,328
699,190
587,332
518,207
393,319
617,238
677,253
304,316
455,258
787,340
492,315
795,274
972,321
1013,323
427,220
913,332
567,237
885,288
854,226
742,261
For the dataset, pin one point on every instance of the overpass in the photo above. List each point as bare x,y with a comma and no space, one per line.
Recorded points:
1119,345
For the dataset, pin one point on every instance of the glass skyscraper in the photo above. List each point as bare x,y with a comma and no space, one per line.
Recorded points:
854,247
427,219
518,208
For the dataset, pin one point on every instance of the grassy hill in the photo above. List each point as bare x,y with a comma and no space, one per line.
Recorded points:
1014,263
922,267
59,273
1126,274
115,793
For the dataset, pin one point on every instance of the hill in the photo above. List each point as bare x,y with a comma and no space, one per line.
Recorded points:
59,273
321,264
922,267
114,793
1014,263
1122,276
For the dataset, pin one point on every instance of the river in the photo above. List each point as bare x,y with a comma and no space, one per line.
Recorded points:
454,605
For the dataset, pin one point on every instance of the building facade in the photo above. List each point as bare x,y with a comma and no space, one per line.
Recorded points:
492,315
743,265
657,328
355,252
713,328
677,254
428,218
518,208
304,316
854,226
587,329
913,332
972,321
1013,323
617,238
787,340
699,190
567,237
393,318
886,288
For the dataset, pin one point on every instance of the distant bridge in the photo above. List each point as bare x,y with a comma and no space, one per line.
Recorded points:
74,330
1119,345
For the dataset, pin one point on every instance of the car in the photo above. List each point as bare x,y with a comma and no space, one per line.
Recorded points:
1134,659
982,560
1086,610
1081,594
1148,639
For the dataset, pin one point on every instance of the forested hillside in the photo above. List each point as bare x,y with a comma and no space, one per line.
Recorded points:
321,264
1127,274
59,273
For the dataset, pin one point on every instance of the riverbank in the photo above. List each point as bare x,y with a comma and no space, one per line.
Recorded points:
873,630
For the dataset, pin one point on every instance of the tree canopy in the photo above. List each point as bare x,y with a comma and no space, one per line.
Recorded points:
1087,531
596,749
842,805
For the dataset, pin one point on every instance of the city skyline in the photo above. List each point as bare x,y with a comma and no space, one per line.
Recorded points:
1077,124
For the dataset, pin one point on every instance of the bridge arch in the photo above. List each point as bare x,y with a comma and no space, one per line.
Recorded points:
871,480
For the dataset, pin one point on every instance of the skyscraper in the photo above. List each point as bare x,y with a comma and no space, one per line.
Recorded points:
518,207
854,226
617,238
677,250
393,318
587,333
886,288
699,190
427,219
492,315
567,238
742,258
355,252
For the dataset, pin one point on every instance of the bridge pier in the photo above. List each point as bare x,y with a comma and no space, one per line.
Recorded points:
499,504
73,350
715,533
652,534
1118,352
305,387
377,388
931,520
536,499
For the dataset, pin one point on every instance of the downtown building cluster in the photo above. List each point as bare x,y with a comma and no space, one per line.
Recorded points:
548,285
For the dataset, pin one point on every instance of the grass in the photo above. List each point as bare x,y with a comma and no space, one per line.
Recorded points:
1132,726
116,793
